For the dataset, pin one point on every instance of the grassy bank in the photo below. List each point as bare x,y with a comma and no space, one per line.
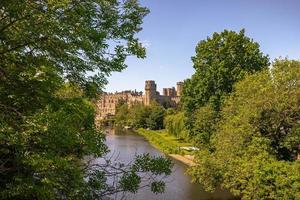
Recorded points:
165,142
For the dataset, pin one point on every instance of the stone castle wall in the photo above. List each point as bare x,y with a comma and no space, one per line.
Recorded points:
106,104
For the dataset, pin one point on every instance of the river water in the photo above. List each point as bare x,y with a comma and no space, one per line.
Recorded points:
126,144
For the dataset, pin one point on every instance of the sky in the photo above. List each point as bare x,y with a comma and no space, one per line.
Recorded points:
173,28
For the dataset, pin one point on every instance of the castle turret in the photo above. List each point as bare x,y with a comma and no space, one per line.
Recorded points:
150,91
179,86
170,92
165,91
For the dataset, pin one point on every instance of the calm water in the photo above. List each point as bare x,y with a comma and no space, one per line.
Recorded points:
127,144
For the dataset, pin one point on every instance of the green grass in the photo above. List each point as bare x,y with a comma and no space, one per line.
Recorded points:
165,142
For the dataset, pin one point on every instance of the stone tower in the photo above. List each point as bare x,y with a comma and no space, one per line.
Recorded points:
179,86
150,91
165,91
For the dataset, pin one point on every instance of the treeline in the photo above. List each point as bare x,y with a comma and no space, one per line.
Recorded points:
140,116
153,117
245,118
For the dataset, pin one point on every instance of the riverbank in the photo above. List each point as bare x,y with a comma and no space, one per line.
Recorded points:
186,159
168,144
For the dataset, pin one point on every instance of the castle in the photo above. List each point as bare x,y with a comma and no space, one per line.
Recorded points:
106,104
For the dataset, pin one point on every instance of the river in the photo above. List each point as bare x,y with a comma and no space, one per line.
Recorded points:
126,144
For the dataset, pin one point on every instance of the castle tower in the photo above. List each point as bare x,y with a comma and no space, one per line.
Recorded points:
165,91
150,91
172,92
179,86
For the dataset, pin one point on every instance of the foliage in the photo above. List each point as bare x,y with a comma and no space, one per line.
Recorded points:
204,127
220,61
170,111
155,120
140,116
137,116
74,37
118,177
42,154
257,140
174,124
54,56
121,115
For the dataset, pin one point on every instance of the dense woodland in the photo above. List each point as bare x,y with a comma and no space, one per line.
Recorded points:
239,108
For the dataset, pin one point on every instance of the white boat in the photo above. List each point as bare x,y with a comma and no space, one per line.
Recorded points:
190,148
127,127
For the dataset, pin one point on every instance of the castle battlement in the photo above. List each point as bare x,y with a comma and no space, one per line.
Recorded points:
106,104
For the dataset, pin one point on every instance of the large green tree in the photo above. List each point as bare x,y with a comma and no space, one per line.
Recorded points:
255,149
174,124
220,61
140,116
155,120
54,56
121,116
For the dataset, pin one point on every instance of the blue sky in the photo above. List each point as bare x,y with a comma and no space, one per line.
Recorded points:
174,27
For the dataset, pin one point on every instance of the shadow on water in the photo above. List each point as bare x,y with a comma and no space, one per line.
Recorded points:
126,144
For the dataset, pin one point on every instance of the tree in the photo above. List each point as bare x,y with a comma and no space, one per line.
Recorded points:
220,61
74,37
55,56
174,124
258,139
141,116
206,119
137,116
121,117
155,120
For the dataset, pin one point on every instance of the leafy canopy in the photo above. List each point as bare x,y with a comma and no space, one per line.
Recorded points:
54,56
83,40
220,61
140,116
257,140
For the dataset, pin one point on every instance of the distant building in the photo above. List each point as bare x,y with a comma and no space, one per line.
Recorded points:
106,104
